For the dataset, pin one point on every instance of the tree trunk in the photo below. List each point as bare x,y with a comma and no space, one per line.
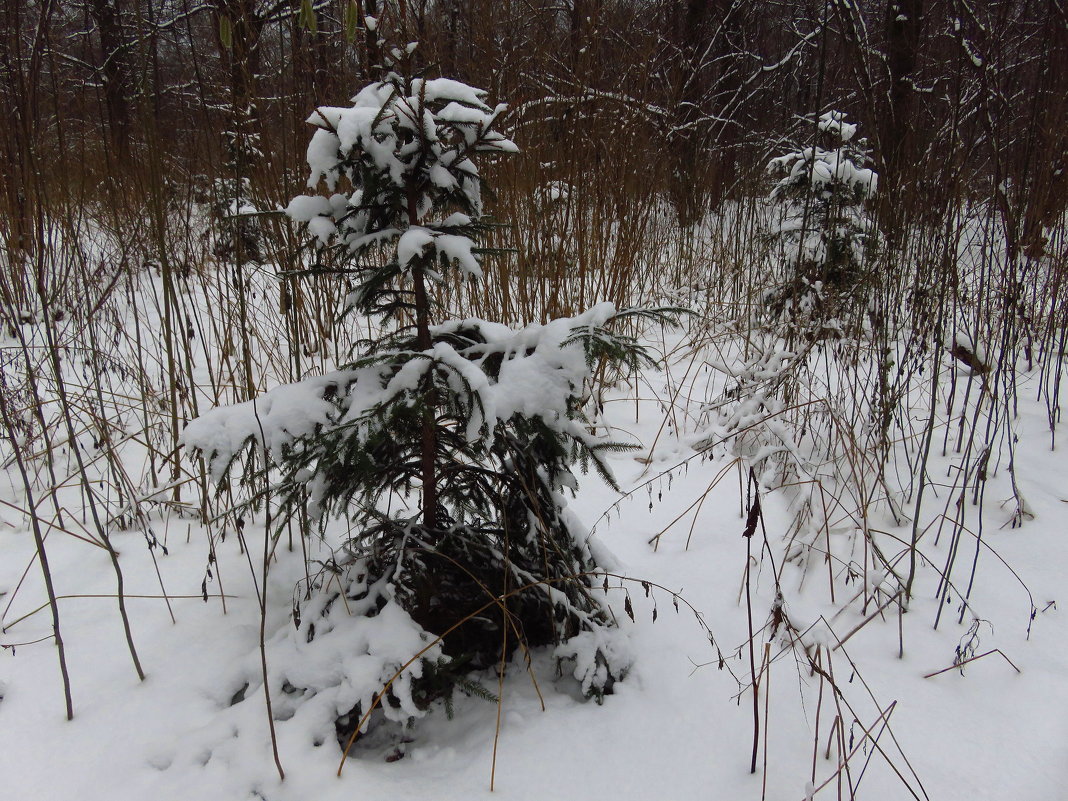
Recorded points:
685,180
114,69
429,444
372,63
452,35
241,54
904,23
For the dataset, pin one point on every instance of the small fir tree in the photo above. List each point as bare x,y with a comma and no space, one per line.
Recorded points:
466,429
823,228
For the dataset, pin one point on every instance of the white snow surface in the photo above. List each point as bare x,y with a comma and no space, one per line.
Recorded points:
673,729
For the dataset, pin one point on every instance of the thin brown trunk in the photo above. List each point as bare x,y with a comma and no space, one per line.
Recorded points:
428,446
42,556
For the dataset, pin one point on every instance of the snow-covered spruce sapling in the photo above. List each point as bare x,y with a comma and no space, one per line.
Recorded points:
822,287
823,229
447,445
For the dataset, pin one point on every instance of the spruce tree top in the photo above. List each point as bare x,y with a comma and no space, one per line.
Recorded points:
405,148
822,192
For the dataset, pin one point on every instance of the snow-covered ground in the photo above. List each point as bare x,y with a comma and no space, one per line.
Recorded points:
680,726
